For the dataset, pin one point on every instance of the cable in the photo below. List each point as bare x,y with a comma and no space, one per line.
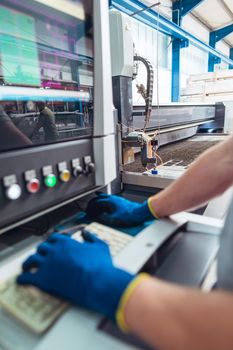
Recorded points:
157,72
160,159
144,9
157,132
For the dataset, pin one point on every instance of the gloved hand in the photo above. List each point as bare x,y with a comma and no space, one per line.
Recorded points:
82,273
118,211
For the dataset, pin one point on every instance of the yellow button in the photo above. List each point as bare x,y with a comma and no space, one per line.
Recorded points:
65,175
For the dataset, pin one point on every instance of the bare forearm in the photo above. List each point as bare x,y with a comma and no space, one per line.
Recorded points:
210,175
170,317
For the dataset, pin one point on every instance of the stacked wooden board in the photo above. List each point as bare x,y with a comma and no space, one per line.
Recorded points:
209,87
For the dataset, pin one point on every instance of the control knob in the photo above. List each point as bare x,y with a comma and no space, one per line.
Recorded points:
78,170
90,168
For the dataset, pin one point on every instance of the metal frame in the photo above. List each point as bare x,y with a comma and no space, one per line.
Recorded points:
216,36
180,8
177,45
231,57
152,19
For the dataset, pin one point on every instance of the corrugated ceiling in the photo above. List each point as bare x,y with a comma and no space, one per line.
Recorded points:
214,14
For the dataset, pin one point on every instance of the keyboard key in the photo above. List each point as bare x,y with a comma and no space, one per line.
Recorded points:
34,308
39,310
114,238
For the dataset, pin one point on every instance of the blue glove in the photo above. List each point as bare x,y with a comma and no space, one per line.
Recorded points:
82,273
117,211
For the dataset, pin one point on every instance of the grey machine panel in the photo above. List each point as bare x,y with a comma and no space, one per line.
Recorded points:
168,115
203,252
17,163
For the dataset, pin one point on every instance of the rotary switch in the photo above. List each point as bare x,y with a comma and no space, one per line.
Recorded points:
78,170
90,168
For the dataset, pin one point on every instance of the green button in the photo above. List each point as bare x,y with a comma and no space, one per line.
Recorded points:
50,180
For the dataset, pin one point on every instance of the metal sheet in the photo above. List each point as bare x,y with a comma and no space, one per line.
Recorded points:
165,116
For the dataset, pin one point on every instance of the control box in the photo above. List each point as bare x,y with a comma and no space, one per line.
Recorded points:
51,179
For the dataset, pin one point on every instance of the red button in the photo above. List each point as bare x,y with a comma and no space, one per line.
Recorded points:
33,185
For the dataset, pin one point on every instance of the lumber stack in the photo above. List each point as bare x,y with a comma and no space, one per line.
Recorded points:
209,87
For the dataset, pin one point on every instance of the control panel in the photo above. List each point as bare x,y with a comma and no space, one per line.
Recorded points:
41,179
49,180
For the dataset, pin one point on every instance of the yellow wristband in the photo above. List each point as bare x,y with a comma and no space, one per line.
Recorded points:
151,209
120,313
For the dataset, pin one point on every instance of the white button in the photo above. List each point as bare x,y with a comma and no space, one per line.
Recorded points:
13,192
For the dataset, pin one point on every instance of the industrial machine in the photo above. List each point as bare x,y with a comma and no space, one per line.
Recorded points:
145,128
52,57
57,146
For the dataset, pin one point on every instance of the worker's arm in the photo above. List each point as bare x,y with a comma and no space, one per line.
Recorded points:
164,315
171,317
210,175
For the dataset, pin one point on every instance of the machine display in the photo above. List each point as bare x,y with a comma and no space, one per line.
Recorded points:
46,73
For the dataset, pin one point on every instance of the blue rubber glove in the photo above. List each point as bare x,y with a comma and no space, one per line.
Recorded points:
82,273
118,211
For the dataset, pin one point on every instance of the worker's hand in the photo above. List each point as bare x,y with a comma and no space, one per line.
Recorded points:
117,211
82,273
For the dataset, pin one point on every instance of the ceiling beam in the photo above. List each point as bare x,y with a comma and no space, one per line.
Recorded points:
226,7
202,21
151,19
180,8
220,34
231,56
216,36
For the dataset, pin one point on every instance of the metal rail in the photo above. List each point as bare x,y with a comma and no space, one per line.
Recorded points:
150,18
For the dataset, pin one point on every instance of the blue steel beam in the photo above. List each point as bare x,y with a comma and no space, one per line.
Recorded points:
231,57
175,70
180,8
177,44
216,36
220,34
189,5
152,19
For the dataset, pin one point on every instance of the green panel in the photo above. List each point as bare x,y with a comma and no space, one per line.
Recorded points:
19,55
